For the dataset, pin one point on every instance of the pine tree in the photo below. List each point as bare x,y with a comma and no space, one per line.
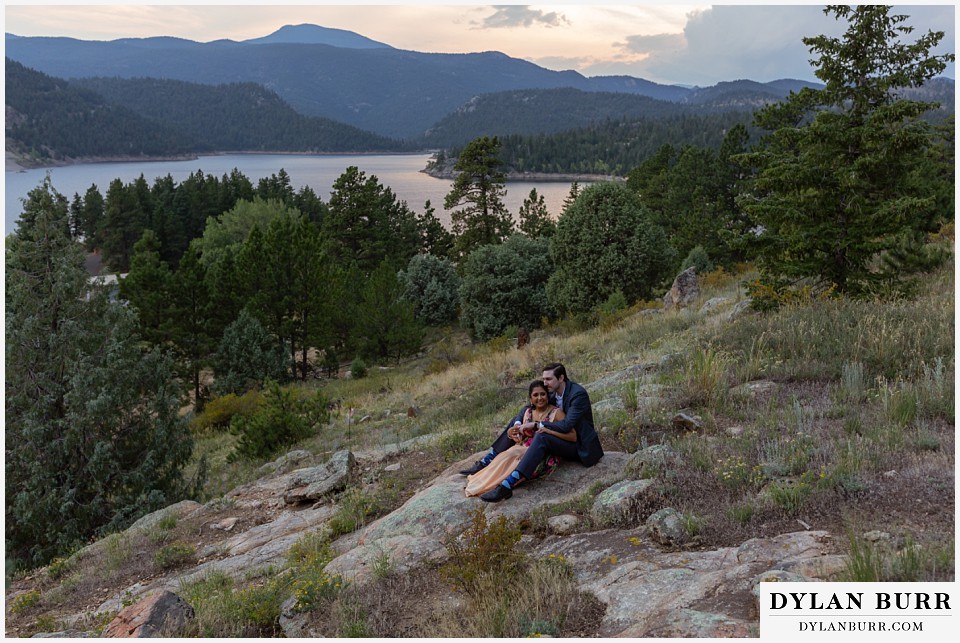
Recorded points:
835,186
93,435
535,221
384,324
478,191
434,238
147,288
606,243
190,327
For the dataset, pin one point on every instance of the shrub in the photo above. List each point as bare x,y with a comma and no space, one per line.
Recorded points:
454,445
481,551
311,586
791,496
174,555
505,285
25,601
432,285
699,259
354,508
605,242
769,293
358,369
221,611
248,356
220,411
705,377
286,416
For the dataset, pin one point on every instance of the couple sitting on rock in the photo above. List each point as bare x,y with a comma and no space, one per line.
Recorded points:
556,424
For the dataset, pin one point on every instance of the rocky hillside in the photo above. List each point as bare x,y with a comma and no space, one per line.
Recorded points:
668,536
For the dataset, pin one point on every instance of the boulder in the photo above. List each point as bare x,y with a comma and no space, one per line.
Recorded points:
608,405
285,462
162,613
739,308
684,291
701,594
754,388
695,624
178,510
713,303
615,504
67,634
684,422
668,527
563,524
654,458
316,482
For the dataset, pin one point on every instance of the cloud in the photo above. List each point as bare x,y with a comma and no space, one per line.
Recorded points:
657,43
762,43
509,16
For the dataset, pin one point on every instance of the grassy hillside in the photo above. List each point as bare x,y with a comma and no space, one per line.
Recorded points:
854,418
834,415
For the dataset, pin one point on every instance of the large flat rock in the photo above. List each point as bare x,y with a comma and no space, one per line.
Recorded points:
414,532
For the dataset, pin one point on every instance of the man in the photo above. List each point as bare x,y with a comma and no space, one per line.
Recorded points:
574,401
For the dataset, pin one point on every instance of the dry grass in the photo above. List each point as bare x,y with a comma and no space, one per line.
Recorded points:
857,435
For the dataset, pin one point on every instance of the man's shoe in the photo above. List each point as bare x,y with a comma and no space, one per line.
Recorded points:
497,494
479,464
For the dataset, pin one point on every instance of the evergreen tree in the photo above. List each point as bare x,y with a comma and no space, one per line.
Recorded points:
147,288
247,357
478,192
91,214
535,221
435,239
277,187
92,429
385,325
190,327
836,180
123,223
571,196
649,181
432,285
504,285
367,224
605,243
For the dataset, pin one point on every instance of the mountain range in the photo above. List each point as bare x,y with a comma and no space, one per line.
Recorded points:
349,78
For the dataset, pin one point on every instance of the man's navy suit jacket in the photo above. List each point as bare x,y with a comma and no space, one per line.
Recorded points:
579,416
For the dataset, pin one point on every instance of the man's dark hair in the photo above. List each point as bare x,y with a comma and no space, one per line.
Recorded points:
557,369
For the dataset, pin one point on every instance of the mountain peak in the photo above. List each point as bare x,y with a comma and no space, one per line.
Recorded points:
307,34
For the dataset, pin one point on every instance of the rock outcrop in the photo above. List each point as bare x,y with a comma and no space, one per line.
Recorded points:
413,533
648,590
684,291
161,613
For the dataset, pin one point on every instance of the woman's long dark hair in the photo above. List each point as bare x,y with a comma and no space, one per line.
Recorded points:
537,384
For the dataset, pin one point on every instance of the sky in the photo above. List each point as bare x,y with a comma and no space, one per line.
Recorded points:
665,43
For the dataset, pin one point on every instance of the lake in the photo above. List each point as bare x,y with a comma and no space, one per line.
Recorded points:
400,172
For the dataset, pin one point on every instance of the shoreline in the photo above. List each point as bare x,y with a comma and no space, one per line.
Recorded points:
19,164
16,163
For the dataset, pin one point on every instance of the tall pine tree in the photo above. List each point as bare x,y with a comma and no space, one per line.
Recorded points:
835,187
477,192
93,437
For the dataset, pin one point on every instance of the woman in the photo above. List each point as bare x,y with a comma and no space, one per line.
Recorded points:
539,409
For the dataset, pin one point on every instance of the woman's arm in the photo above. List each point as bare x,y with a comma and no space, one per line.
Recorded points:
556,416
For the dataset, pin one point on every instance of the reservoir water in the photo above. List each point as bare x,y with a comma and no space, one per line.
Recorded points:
400,172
